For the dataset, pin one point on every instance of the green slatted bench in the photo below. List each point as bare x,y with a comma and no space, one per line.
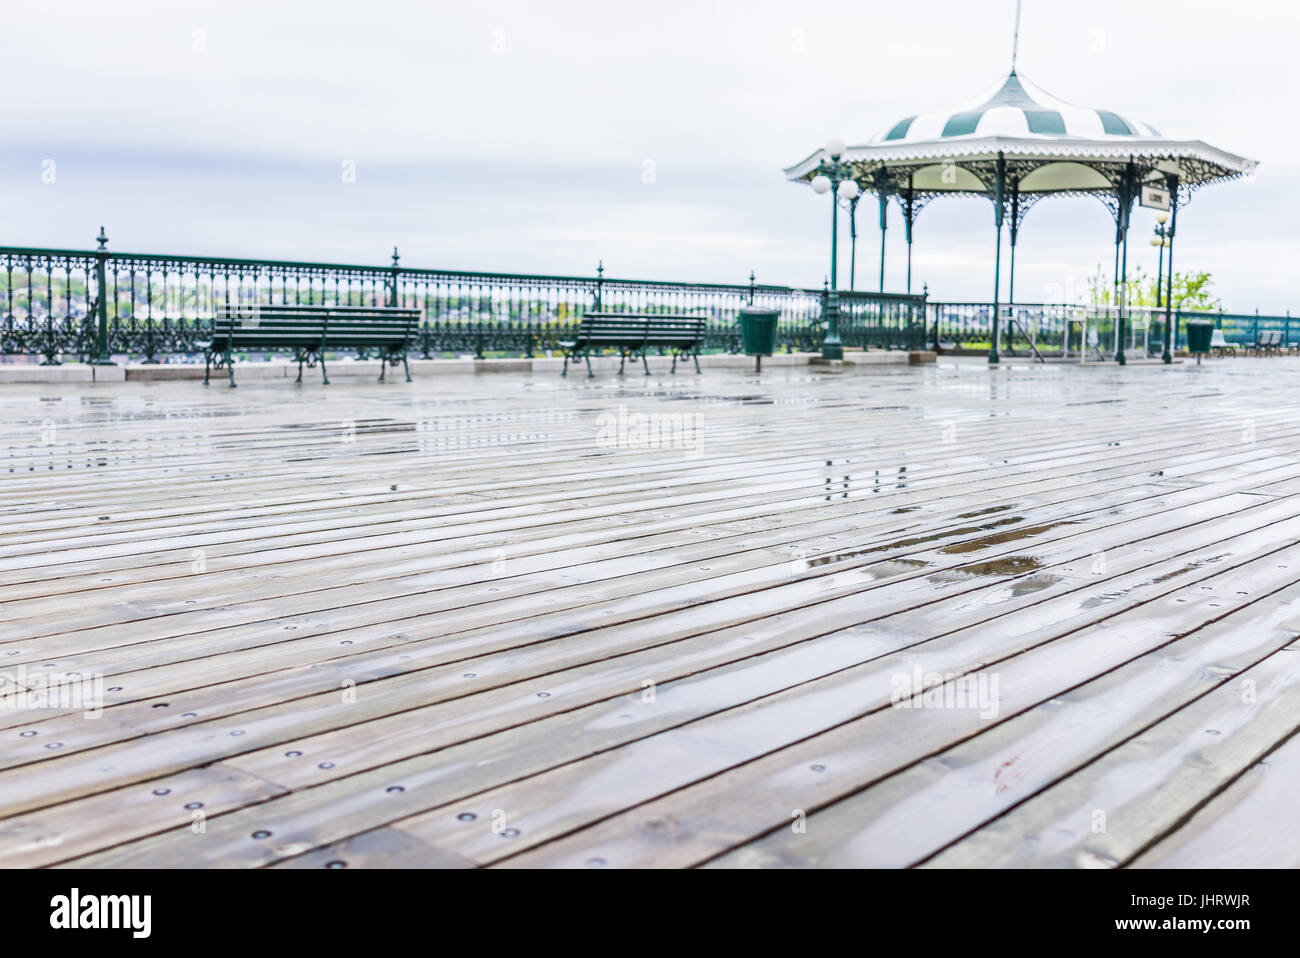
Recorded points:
632,334
1267,342
308,331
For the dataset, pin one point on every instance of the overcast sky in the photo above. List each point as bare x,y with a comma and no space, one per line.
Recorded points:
543,137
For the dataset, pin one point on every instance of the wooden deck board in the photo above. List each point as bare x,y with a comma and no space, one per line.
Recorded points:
427,619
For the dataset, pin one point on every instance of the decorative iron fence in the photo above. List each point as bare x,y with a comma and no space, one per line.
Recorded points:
82,304
1244,328
1051,329
1064,330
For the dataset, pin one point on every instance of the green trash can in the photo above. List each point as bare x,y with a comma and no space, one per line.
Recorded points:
1199,333
758,333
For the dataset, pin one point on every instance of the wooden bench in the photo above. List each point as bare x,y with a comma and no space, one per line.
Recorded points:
1267,342
632,334
1219,345
308,331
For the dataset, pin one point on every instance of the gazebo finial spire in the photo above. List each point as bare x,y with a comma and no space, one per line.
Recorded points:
1015,40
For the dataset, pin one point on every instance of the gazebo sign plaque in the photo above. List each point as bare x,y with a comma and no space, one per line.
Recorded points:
1155,198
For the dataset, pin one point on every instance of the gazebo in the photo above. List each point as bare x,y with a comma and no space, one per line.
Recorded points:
1016,144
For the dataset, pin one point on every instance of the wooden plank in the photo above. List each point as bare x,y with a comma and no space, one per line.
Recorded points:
962,525
313,815
185,803
862,815
560,657
551,805
1250,824
1143,788
380,848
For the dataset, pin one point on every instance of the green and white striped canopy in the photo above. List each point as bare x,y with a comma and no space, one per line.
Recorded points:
1051,146
1014,107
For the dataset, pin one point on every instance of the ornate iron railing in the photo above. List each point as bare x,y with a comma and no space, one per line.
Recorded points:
1244,328
1054,328
79,304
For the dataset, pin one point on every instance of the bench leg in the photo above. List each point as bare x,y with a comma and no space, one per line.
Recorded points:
324,376
644,361
383,366
565,371
622,358
674,369
587,356
207,366
696,356
230,368
407,367
300,358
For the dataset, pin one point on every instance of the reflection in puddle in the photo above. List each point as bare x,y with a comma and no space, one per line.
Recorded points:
838,486
1003,538
1031,584
1008,565
984,512
833,486
1188,567
892,567
945,534
858,553
1104,599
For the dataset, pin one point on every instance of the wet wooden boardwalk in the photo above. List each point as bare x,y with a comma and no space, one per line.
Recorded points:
516,620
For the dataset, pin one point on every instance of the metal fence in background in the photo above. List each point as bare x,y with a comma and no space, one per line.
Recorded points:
59,305
56,305
1061,330
1244,328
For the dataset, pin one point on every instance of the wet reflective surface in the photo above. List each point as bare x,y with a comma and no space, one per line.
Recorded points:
955,609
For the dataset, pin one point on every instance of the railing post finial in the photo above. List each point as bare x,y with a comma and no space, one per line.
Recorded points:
394,282
103,356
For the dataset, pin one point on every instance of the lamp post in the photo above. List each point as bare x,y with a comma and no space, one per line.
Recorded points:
836,176
853,242
1162,240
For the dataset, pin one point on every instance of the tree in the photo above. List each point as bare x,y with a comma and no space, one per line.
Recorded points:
1191,290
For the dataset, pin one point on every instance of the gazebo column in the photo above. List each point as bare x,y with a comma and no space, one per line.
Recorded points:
1013,229
909,213
1123,211
999,187
1171,317
882,194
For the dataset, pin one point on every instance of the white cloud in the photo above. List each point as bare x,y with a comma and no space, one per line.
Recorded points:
507,135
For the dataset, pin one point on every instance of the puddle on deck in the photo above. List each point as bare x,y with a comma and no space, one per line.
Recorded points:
1008,565
1003,538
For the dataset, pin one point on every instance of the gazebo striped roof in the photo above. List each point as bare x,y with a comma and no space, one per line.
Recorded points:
1055,146
1013,107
